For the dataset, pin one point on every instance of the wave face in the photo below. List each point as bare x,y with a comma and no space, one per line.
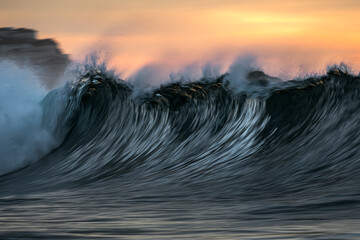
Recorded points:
284,148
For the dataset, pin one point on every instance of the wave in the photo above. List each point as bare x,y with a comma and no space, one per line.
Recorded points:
271,135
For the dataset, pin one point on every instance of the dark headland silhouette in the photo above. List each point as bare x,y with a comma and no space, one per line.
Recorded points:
21,46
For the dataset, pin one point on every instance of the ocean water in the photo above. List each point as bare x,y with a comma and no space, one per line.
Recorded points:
238,156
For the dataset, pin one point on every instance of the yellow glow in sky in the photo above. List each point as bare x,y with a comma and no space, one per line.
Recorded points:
287,37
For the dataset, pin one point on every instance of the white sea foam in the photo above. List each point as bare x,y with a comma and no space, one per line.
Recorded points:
23,140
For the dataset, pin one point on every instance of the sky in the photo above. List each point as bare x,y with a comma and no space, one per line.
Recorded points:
288,38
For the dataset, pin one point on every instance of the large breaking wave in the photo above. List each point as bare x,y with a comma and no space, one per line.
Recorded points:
219,134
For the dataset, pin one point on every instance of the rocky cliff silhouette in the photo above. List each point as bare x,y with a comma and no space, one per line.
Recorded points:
21,46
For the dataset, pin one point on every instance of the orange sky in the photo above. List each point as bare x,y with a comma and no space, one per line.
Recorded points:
286,36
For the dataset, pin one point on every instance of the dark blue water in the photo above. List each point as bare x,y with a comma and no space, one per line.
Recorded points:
196,160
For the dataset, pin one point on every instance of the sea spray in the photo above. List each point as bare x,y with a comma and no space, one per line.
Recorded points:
22,137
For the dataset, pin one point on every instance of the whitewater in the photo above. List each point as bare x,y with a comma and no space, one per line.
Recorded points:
237,155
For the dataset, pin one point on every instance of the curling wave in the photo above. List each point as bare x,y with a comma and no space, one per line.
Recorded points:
294,137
